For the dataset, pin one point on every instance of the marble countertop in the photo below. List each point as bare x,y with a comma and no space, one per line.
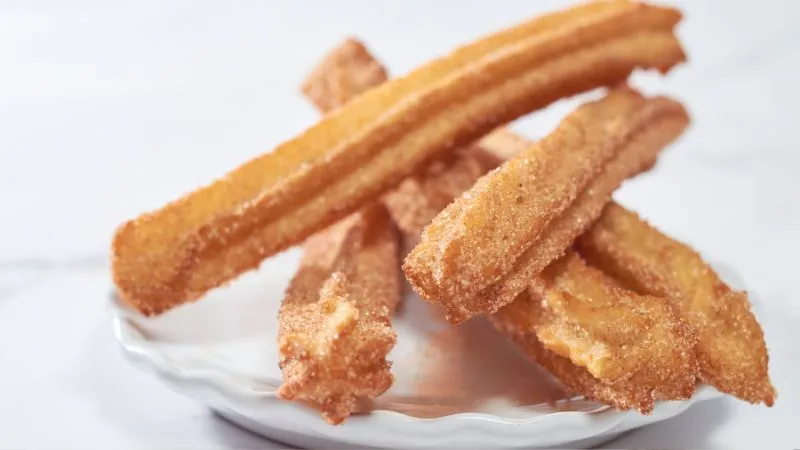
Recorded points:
110,110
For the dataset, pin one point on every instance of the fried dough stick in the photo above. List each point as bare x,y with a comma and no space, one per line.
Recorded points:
634,347
731,351
514,321
334,323
482,251
368,146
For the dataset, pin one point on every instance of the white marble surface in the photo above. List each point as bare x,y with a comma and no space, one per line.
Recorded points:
107,110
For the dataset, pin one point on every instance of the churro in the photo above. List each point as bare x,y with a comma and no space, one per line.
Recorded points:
730,349
515,322
335,329
485,247
334,322
422,196
349,70
369,145
580,313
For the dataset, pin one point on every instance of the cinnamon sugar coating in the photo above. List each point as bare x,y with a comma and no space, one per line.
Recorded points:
334,323
730,348
482,251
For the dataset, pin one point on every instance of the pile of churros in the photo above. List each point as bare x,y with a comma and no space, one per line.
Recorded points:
490,223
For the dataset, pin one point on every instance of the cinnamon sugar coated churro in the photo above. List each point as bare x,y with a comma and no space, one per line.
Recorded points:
367,146
514,321
730,349
579,313
484,248
335,329
637,155
334,322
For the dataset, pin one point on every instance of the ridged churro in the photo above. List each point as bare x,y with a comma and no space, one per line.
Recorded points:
730,349
350,69
335,330
485,247
580,313
515,322
174,255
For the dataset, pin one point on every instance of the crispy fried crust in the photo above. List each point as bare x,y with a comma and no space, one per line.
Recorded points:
581,314
486,246
420,197
334,330
365,148
344,73
637,156
350,70
731,351
517,321
334,323
513,319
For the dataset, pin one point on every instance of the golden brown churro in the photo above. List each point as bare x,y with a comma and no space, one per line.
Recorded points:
486,246
173,255
579,313
335,331
514,321
730,350
350,69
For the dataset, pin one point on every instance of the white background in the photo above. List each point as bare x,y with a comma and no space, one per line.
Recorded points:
108,109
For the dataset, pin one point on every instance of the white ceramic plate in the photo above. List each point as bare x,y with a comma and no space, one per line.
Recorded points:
222,352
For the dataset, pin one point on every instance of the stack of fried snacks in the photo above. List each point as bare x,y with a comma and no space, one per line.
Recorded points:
525,232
